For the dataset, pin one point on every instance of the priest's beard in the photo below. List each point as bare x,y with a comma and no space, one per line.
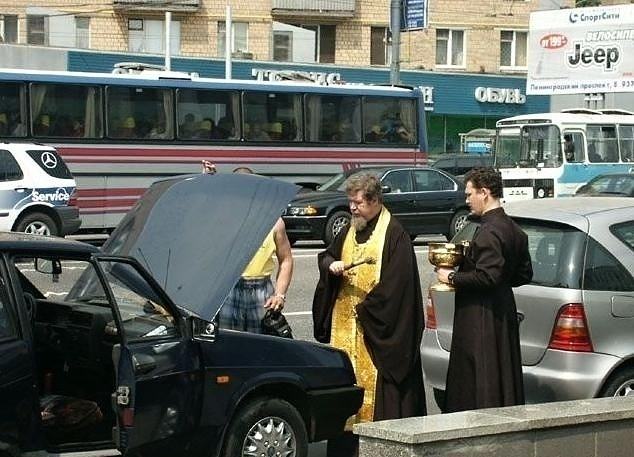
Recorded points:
359,223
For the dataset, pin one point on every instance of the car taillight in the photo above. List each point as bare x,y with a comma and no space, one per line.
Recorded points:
72,201
571,331
430,313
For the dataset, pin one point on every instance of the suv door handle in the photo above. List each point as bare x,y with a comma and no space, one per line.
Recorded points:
143,363
20,189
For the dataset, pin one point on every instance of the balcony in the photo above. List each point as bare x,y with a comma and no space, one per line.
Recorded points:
314,8
157,5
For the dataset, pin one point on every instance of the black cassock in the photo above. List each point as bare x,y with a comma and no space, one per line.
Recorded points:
391,317
485,364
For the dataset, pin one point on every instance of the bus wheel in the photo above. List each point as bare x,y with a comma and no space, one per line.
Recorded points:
337,221
457,222
37,224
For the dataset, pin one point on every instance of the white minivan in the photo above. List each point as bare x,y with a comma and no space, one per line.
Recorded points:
36,191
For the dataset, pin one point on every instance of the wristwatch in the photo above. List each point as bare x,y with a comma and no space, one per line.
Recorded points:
450,277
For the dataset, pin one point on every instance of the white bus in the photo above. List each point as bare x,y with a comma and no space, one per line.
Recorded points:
118,133
553,154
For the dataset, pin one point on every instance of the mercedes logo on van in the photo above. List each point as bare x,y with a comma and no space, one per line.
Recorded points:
48,159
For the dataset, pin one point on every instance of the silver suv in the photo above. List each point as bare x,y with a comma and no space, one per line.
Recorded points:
576,316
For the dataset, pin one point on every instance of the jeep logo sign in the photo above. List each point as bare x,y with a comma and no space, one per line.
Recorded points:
499,95
602,56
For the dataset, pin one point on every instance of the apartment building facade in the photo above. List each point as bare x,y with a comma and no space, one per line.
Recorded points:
474,36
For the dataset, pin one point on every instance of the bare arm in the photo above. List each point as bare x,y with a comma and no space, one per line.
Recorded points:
285,267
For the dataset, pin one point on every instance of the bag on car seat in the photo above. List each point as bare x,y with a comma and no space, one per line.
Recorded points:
68,413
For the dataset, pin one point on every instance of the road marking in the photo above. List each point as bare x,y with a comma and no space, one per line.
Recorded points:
298,313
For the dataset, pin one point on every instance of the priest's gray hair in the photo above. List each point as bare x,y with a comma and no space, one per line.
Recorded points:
368,183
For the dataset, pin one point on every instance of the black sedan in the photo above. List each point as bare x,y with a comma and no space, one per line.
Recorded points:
425,200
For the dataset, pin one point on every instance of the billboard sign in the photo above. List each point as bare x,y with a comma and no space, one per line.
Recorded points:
414,14
581,50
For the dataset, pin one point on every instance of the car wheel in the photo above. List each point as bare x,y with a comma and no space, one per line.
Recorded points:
269,427
457,222
620,384
337,221
37,224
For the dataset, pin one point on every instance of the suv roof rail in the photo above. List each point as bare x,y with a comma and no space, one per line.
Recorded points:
581,111
617,111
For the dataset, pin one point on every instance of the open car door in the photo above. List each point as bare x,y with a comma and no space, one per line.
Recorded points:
158,388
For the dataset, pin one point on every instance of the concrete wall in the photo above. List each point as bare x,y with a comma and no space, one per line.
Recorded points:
602,427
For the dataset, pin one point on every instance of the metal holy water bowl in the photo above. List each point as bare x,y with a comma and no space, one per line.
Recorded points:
445,255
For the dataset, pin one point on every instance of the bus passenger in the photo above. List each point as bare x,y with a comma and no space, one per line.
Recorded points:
569,148
42,126
128,128
374,135
275,131
205,128
593,156
188,128
4,126
258,133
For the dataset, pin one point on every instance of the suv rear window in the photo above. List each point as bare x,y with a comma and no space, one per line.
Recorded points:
556,253
51,163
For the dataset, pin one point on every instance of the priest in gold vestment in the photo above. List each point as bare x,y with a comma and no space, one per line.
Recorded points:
368,302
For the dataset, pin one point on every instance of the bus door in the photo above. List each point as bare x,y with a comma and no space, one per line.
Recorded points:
575,171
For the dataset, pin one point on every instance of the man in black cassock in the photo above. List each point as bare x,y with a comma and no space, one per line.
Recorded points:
373,311
485,363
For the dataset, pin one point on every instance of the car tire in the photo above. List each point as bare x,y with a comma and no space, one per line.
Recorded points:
337,221
37,223
457,222
266,426
620,384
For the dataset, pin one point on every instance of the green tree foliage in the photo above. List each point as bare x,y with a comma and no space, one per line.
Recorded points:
581,3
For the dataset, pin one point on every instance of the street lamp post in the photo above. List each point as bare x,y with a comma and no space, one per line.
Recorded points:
395,25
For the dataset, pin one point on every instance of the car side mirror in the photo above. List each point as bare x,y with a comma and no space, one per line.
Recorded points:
386,189
48,266
204,330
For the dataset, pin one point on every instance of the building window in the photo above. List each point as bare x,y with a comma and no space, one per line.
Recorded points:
37,29
450,48
9,30
282,46
82,32
379,50
146,35
513,49
240,32
324,42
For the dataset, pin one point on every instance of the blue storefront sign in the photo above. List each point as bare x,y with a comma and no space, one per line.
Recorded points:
414,14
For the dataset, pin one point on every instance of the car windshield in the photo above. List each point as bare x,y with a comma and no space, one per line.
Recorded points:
556,253
612,185
338,181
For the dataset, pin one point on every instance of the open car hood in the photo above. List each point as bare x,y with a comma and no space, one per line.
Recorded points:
196,234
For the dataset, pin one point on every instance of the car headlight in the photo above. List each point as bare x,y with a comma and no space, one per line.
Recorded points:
302,211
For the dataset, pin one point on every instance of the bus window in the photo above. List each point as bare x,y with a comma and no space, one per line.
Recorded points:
540,147
574,150
272,116
70,111
208,115
12,110
626,142
333,118
602,145
140,112
388,120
